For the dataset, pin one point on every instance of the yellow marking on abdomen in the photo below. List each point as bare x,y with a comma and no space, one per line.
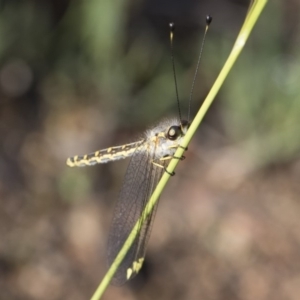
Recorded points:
104,156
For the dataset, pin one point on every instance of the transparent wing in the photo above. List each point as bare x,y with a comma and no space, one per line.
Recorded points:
140,181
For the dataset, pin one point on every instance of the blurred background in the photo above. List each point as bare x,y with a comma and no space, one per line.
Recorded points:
78,76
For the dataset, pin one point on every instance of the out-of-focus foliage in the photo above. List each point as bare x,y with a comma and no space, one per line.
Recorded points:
263,104
77,76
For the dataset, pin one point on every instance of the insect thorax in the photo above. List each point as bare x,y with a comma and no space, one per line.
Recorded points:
159,144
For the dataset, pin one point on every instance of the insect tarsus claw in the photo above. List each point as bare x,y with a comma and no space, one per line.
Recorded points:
170,173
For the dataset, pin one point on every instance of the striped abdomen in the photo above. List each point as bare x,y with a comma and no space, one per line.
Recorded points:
105,155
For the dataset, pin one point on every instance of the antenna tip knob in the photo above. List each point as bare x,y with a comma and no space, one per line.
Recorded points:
172,26
208,19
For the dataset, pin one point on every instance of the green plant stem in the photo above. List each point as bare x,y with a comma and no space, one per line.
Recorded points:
251,18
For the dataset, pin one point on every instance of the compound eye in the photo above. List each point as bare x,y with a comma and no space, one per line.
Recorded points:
173,133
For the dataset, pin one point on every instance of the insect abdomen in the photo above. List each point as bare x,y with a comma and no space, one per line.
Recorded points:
103,156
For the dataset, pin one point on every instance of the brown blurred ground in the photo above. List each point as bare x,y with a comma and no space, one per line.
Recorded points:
78,77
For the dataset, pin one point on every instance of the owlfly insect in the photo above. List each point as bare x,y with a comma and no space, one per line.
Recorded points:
149,158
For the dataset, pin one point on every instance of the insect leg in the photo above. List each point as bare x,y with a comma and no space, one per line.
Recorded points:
165,169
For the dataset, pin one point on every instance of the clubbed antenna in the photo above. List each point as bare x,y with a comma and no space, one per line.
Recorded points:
172,29
208,21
